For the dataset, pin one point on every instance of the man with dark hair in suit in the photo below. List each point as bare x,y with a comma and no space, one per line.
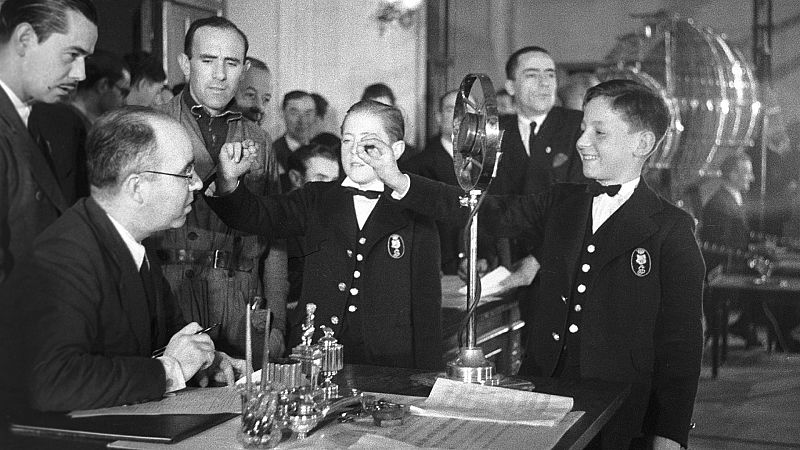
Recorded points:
213,269
539,141
90,305
621,287
299,115
43,46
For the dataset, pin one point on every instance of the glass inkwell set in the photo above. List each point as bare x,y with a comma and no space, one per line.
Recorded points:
297,393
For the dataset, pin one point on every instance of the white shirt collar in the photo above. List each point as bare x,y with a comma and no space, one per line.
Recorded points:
292,143
448,145
626,189
137,249
24,110
374,185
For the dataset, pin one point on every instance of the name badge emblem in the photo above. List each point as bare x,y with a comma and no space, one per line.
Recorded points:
641,262
396,246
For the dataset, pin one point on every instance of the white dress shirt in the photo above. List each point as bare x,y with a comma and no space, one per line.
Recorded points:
604,206
23,109
364,205
448,145
172,367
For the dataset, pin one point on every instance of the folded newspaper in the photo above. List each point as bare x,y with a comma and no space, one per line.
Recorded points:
466,401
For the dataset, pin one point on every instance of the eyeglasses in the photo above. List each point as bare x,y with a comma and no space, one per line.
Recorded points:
189,178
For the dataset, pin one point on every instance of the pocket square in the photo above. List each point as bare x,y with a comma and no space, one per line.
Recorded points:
559,159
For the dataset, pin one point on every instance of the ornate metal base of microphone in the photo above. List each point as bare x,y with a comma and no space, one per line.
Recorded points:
472,367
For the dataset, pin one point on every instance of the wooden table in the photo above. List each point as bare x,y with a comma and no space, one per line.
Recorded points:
771,290
599,400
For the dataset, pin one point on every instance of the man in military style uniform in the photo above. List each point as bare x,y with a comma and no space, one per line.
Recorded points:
213,269
621,274
43,46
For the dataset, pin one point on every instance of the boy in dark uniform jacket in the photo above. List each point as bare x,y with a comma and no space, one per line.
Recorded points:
373,267
621,274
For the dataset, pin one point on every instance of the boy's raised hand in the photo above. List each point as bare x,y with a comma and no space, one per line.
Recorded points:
383,160
235,160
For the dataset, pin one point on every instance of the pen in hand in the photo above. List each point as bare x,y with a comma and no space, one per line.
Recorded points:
160,352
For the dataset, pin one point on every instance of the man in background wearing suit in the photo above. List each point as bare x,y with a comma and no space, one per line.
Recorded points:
300,116
436,163
90,306
43,45
539,140
621,274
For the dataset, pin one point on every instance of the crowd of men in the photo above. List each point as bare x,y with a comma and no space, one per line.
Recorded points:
111,246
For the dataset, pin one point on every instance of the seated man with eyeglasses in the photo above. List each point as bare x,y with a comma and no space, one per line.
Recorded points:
90,306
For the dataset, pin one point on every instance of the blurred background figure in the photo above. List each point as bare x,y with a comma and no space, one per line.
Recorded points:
106,87
436,162
299,115
255,90
147,79
575,86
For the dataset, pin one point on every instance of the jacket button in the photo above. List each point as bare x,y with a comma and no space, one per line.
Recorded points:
189,273
342,287
548,150
192,236
590,248
578,308
585,268
335,320
359,257
573,328
556,337
362,241
353,291
356,274
38,195
352,308
581,288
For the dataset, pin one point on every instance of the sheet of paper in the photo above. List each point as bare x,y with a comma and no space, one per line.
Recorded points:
466,401
188,401
491,282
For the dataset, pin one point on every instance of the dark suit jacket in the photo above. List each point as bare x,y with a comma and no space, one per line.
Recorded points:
644,330
519,173
64,128
725,223
85,317
435,163
282,152
399,298
30,196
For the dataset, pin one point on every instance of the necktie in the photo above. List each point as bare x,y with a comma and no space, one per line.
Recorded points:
596,189
369,194
531,138
150,294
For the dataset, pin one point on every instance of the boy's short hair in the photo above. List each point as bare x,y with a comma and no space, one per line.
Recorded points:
390,116
296,95
642,108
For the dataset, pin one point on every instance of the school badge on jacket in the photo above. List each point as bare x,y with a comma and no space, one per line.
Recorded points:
396,246
640,262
